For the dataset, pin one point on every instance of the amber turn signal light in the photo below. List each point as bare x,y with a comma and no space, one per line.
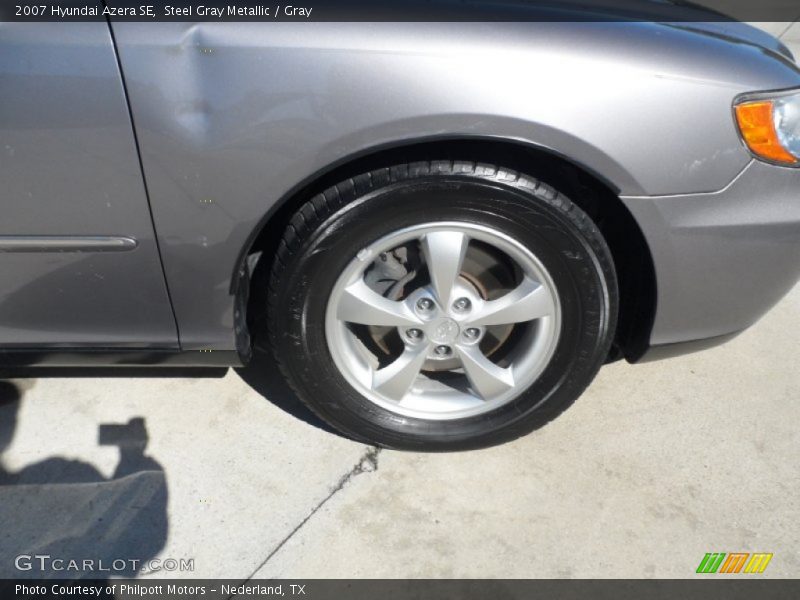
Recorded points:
757,125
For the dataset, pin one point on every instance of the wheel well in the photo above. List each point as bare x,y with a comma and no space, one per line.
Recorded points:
598,198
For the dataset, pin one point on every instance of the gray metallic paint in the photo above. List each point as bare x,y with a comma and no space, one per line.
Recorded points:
231,118
722,259
69,168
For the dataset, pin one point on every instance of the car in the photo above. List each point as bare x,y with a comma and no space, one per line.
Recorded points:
440,230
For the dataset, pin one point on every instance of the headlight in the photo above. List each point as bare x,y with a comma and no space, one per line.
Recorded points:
770,126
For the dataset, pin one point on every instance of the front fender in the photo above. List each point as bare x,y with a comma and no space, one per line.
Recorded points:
231,117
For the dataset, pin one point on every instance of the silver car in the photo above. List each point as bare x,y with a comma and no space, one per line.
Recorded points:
441,230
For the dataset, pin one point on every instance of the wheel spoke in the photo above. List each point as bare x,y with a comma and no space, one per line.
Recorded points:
360,304
487,379
444,253
528,301
450,286
397,378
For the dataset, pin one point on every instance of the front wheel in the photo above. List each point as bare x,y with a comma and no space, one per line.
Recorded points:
441,306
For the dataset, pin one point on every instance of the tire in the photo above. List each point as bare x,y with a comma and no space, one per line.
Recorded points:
523,218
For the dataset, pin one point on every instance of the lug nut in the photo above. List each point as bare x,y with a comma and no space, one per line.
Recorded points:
472,333
442,350
462,304
414,334
424,304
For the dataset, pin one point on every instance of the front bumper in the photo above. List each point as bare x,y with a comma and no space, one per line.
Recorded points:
722,259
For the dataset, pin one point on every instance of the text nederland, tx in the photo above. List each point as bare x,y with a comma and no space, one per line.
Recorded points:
142,590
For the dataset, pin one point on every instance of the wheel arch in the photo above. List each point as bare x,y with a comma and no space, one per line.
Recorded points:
596,195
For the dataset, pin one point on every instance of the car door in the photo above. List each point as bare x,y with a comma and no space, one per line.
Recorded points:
79,261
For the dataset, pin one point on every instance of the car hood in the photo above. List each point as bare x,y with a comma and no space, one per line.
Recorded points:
681,14
738,33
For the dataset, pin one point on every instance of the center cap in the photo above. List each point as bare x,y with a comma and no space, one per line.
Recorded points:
444,331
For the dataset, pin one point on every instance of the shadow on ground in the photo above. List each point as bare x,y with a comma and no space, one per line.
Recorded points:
66,509
263,375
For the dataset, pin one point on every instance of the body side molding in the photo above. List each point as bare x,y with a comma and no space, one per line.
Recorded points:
66,243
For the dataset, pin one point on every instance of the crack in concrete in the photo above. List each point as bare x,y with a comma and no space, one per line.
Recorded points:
785,31
367,464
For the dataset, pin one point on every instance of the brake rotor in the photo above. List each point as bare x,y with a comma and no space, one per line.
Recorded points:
485,269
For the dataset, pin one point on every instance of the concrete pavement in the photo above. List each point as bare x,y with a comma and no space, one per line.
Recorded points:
653,467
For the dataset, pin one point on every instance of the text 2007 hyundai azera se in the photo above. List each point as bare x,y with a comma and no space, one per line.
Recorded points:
442,230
